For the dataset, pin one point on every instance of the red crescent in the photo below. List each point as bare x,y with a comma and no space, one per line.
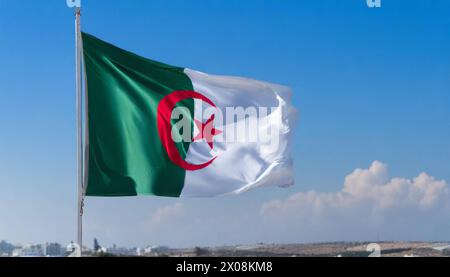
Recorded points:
165,107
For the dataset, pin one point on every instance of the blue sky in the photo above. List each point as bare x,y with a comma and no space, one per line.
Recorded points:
370,84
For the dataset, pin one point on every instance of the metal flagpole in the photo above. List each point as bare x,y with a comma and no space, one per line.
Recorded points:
79,104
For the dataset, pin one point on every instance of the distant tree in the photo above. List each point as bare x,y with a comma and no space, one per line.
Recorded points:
446,252
200,251
6,247
101,254
97,246
53,249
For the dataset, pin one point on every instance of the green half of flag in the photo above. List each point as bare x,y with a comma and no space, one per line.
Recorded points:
126,156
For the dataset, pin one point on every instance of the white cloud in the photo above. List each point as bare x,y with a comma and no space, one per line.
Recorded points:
369,204
166,215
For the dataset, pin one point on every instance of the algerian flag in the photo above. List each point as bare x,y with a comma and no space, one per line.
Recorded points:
156,129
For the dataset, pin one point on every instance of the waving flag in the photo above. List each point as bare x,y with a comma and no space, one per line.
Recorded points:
156,129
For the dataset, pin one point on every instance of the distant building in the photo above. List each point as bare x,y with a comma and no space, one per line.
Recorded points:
29,251
71,247
155,250
73,250
122,251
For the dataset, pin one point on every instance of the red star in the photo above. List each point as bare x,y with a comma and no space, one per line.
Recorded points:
206,131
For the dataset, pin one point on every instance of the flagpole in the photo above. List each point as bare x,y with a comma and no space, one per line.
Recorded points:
78,57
